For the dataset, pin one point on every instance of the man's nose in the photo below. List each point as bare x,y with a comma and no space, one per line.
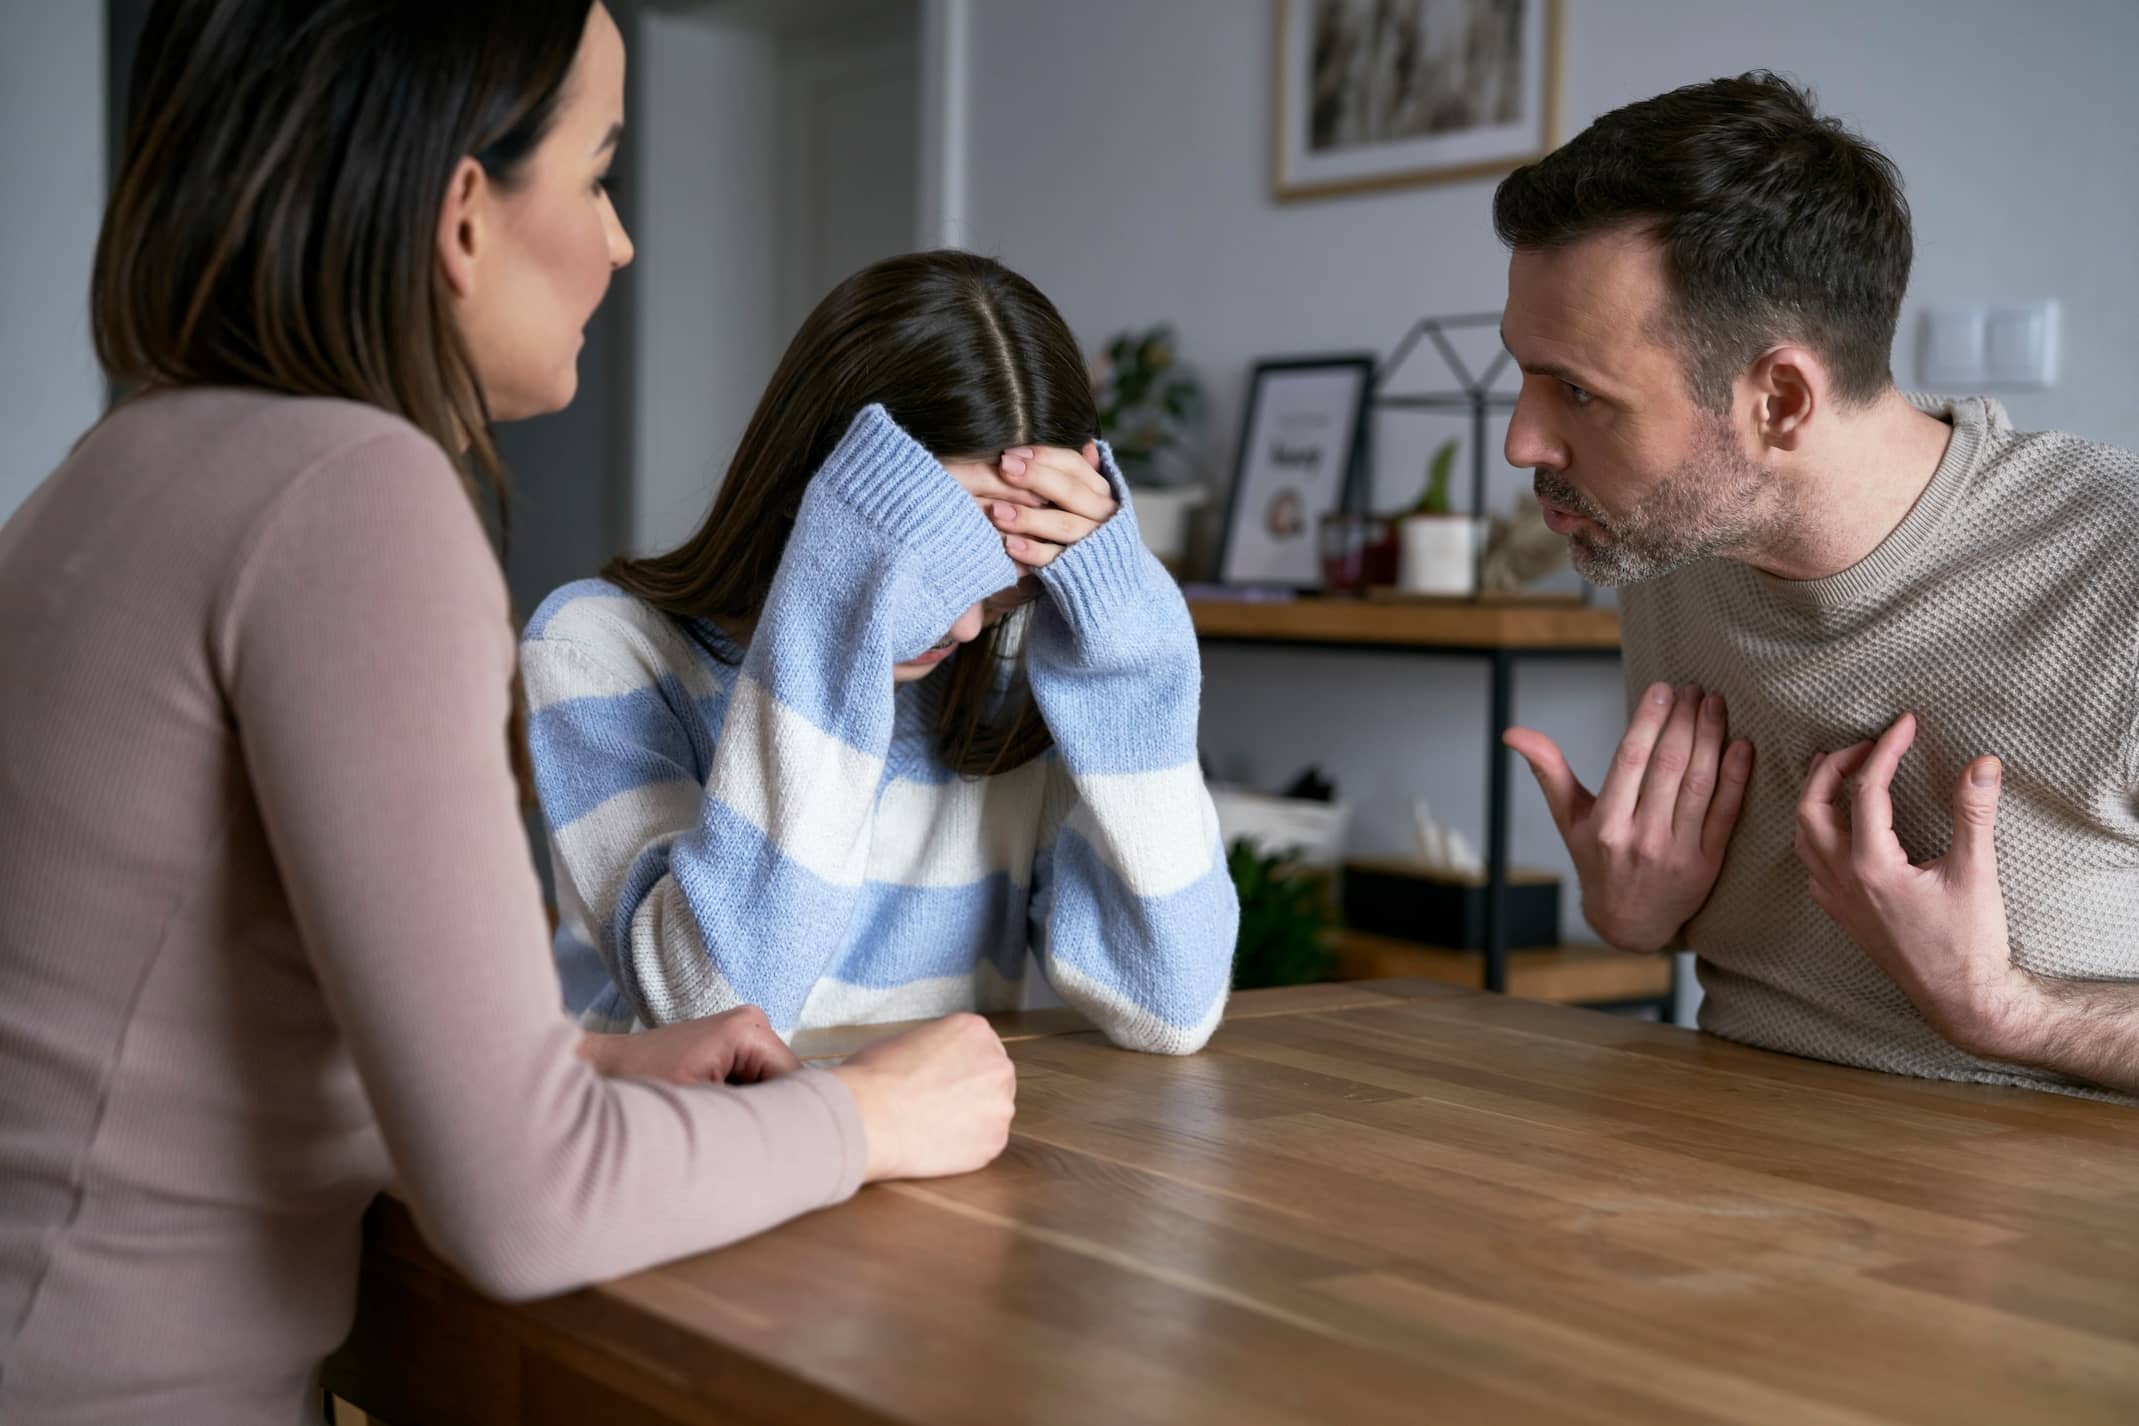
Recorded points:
1531,442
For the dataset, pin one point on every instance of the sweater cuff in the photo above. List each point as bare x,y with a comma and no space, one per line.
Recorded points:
1107,570
847,1116
896,486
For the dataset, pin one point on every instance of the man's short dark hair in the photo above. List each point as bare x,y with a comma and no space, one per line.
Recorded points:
1777,225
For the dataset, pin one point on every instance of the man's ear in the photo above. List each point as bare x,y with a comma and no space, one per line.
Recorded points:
1789,388
461,226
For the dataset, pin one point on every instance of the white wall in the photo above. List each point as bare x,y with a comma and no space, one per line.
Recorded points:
52,171
1119,156
706,226
778,151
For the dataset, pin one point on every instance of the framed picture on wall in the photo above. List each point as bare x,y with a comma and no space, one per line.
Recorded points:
1382,93
1301,439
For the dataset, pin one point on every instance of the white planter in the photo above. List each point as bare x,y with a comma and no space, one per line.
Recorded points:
1438,554
1162,518
1313,832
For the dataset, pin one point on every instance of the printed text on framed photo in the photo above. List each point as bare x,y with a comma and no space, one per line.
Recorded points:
1300,441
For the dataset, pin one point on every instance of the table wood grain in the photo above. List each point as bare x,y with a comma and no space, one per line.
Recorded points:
1396,1202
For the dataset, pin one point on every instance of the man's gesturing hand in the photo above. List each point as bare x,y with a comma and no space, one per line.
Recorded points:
1648,847
1937,928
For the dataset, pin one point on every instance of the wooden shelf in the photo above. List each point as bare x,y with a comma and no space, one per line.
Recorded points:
1565,975
1454,624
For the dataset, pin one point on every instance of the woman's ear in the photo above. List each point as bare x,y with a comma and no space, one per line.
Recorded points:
460,226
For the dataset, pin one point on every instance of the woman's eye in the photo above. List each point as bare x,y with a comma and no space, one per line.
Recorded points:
606,184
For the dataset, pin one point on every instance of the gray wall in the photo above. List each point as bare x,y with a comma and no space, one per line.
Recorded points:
52,171
1141,191
707,230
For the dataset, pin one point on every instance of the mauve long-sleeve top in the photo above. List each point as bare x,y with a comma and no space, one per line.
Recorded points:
270,934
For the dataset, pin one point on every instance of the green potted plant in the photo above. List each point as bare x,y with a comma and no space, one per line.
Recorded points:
1285,919
1150,409
1437,549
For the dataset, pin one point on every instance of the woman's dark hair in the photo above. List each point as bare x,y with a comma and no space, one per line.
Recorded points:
970,359
1776,224
274,223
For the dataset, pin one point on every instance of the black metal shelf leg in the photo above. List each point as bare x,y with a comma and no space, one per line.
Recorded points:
1496,824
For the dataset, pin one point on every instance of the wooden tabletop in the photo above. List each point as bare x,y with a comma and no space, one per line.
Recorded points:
1446,624
1392,1202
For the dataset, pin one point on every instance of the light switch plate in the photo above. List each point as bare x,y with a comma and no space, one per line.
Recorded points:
1950,357
2020,344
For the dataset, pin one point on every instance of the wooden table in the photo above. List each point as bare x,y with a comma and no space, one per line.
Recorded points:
1397,1202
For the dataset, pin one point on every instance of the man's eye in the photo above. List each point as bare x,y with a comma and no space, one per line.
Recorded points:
1578,395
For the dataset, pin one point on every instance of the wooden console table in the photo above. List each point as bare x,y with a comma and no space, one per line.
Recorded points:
1501,634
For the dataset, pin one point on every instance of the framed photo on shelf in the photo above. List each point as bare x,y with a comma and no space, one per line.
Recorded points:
1385,93
1301,439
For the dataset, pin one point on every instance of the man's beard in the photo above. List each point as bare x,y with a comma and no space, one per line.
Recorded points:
1714,502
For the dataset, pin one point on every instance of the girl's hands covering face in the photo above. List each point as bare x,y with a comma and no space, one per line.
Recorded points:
1041,499
1075,500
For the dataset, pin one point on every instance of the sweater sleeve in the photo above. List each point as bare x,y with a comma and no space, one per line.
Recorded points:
742,891
364,649
1133,913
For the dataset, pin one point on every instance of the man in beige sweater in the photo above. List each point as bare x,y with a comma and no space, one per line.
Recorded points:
1882,769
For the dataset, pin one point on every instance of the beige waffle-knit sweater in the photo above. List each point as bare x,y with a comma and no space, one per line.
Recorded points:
2004,612
270,934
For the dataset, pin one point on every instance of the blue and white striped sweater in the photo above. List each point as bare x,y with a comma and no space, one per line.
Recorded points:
783,832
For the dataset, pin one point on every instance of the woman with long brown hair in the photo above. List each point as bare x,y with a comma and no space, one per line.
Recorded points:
272,932
912,706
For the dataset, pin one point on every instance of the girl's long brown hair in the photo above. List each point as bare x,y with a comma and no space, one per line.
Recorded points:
970,359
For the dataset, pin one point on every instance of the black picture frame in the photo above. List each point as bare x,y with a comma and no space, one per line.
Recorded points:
1323,399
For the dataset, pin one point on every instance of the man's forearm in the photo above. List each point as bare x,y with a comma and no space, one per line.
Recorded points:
2088,1029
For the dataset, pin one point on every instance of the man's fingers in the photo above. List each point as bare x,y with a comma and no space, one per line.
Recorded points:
1564,794
1622,785
1823,779
1733,774
1669,762
1820,828
1975,816
1697,789
1871,811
